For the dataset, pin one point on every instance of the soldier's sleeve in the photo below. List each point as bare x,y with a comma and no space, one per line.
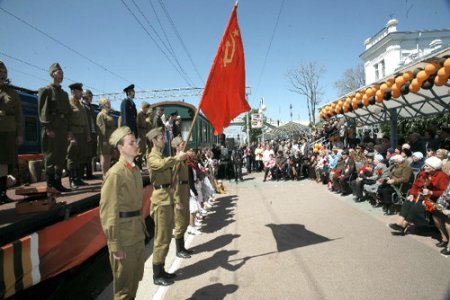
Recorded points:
123,113
43,109
19,115
109,211
156,163
87,129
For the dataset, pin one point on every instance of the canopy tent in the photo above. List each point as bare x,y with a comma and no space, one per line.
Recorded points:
398,95
289,130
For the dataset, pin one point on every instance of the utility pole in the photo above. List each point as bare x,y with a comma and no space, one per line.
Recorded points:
290,108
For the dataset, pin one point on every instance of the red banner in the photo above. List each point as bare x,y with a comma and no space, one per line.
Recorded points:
223,98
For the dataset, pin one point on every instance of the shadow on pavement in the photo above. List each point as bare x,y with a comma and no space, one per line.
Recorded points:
222,214
217,243
220,259
214,291
291,236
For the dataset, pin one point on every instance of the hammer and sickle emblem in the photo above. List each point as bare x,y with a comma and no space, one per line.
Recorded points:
228,57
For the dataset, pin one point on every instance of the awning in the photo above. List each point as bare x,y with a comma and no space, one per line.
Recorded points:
419,89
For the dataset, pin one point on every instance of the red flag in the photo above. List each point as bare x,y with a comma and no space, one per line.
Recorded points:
223,98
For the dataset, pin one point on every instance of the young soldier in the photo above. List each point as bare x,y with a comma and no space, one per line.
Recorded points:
181,198
11,120
160,171
54,113
122,217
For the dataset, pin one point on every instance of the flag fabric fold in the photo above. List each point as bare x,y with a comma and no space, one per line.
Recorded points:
223,98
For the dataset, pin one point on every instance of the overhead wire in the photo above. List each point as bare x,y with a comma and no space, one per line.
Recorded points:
166,12
168,49
270,44
42,69
64,45
157,45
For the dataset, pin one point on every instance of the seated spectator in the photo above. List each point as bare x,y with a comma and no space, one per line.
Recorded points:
407,155
400,174
427,188
441,218
363,172
341,183
417,162
269,166
373,182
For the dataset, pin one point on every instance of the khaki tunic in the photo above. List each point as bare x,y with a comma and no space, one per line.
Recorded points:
106,126
161,210
143,126
54,113
401,173
11,120
80,129
181,196
122,192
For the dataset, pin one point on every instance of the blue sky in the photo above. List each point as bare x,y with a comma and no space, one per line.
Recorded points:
331,33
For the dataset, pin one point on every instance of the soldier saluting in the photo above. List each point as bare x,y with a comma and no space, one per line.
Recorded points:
122,218
54,113
162,207
10,129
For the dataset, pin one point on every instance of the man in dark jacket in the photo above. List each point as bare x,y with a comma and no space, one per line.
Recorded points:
128,110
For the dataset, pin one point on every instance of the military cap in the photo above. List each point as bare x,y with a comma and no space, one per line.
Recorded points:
154,133
118,134
145,104
179,117
76,86
87,93
2,65
130,87
54,67
103,101
176,142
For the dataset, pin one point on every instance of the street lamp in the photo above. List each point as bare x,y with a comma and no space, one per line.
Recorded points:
239,140
261,110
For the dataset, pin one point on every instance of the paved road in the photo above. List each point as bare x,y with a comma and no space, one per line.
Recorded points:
296,240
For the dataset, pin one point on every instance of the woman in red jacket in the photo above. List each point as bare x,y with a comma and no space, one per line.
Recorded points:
428,187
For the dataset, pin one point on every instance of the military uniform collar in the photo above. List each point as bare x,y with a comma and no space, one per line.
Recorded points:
130,166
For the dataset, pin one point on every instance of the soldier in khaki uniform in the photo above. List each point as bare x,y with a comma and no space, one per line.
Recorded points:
10,129
54,113
91,147
80,136
161,210
122,217
143,127
106,126
181,199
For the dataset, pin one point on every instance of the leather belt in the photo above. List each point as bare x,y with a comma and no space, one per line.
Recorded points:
162,186
183,182
129,214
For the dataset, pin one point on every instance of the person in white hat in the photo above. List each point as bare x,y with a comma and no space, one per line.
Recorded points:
426,189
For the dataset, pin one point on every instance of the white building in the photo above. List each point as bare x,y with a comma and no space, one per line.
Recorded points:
389,49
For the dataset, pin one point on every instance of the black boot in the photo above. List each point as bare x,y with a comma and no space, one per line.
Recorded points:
51,181
3,187
180,251
72,179
158,277
58,184
184,248
78,175
167,274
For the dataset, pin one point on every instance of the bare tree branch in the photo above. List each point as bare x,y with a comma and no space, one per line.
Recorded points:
352,79
304,81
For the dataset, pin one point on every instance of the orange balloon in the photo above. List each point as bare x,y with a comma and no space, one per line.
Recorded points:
379,96
395,93
390,82
355,103
414,87
421,76
383,87
440,80
431,68
358,96
395,87
365,100
345,108
441,72
446,64
399,81
407,75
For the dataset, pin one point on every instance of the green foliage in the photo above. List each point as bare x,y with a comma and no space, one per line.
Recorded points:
419,125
